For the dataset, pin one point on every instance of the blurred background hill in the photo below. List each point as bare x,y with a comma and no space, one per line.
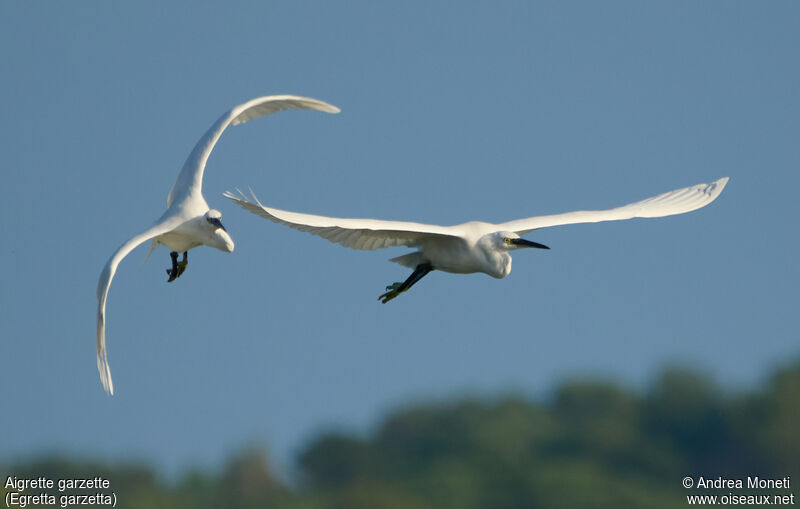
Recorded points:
591,443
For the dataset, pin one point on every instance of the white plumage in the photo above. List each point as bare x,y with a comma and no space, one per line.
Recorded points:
473,246
188,221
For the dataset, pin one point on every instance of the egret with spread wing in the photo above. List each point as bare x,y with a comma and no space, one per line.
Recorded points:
469,247
188,221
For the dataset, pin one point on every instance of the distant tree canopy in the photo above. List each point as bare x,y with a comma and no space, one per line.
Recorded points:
591,444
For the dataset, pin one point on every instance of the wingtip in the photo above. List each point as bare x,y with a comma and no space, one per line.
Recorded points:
105,379
316,104
105,375
103,369
321,105
716,187
232,196
255,198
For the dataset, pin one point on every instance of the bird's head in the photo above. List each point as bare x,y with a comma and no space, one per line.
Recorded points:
495,248
509,241
219,235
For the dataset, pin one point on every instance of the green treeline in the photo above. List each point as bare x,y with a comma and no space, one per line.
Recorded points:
590,444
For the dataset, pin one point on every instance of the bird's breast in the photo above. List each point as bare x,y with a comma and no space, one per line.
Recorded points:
179,241
495,263
500,266
461,258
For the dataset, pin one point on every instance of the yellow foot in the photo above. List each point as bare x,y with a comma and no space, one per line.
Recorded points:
181,267
177,267
392,293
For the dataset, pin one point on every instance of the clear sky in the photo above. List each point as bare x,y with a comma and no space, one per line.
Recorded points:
451,111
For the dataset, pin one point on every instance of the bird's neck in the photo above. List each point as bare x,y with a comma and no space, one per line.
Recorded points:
497,264
505,265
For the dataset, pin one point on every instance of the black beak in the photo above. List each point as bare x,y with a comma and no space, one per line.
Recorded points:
216,222
528,243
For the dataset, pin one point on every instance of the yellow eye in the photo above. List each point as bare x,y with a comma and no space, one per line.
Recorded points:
507,241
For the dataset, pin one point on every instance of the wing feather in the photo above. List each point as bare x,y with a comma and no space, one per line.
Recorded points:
103,286
666,204
190,179
366,234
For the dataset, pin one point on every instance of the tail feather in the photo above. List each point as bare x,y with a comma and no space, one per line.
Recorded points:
153,246
410,260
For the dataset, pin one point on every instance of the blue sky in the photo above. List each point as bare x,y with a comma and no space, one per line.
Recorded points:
451,111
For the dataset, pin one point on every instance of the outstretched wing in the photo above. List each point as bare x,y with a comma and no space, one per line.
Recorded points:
102,294
365,234
666,204
190,179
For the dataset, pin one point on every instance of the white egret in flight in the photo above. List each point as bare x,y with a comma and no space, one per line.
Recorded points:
469,247
188,221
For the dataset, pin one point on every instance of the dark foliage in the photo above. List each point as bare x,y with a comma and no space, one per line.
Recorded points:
590,445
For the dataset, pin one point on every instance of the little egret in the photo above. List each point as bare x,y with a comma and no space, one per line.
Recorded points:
188,221
469,247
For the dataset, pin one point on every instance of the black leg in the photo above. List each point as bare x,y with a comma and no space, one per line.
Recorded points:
397,288
173,272
182,264
177,266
